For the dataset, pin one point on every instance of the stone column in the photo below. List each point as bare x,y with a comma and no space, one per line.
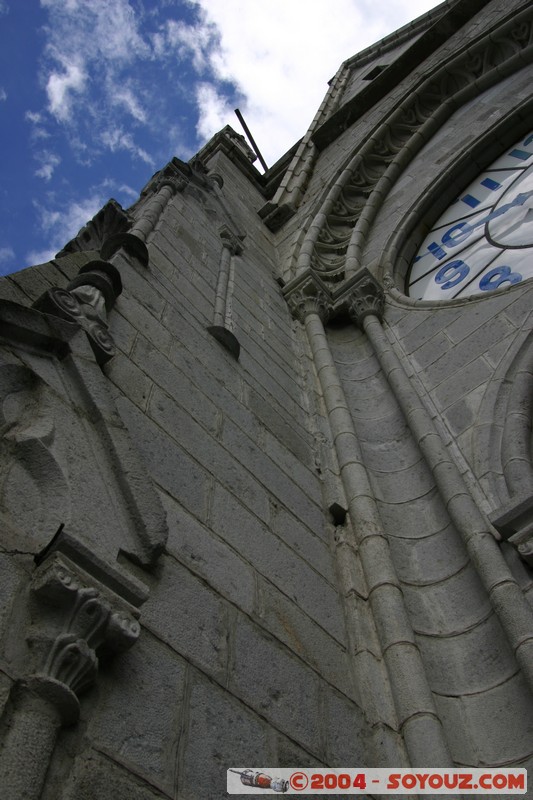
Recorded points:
134,241
77,620
512,608
231,246
166,188
416,714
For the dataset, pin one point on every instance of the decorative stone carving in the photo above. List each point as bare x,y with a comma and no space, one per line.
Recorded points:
30,472
93,614
67,456
177,183
364,297
400,136
231,241
307,297
86,301
514,522
76,621
92,622
109,221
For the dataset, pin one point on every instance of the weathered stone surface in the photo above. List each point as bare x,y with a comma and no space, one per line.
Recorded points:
346,731
266,676
277,562
171,468
306,639
221,732
200,637
206,555
94,776
139,710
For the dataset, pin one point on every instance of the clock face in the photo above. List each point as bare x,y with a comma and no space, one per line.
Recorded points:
484,241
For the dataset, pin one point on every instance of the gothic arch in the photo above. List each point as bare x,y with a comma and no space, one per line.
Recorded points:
401,246
333,243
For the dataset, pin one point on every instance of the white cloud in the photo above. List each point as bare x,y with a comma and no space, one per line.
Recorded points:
117,139
111,185
60,85
3,93
190,41
33,116
35,257
281,58
7,256
96,29
62,223
37,131
88,43
214,109
6,253
49,161
126,99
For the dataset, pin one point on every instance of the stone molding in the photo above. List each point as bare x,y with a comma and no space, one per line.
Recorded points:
64,359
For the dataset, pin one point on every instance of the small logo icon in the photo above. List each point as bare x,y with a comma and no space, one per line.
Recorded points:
261,781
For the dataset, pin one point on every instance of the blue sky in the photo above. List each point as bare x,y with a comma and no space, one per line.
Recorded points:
96,95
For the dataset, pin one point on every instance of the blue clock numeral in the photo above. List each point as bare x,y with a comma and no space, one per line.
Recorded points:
497,276
451,274
456,234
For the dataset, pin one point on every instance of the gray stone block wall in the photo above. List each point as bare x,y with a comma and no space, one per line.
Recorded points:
278,631
243,632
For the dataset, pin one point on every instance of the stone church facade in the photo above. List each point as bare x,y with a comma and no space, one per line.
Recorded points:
266,471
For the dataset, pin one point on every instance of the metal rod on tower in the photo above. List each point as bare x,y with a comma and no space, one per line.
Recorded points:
251,139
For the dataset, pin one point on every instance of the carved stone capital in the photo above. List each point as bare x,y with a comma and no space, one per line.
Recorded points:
308,297
79,621
514,523
216,179
231,241
365,297
86,301
177,183
65,304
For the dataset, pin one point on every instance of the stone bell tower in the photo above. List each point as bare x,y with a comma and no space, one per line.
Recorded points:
266,468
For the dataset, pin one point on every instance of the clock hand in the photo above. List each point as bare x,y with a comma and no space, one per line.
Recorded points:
519,200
